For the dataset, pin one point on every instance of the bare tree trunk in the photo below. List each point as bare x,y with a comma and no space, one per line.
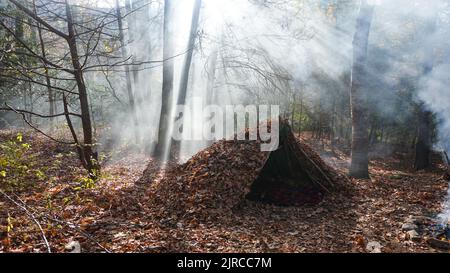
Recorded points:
182,92
131,100
423,144
31,102
19,33
132,30
73,133
359,159
89,153
318,135
300,123
136,34
210,92
333,125
148,49
371,133
167,85
293,109
50,95
187,63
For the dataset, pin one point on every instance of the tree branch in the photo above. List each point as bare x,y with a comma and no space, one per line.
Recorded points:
37,129
36,114
39,19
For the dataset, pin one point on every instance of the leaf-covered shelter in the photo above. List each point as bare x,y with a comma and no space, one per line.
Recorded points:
229,172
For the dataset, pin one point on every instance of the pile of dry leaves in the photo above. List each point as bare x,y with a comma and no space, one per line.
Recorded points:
215,179
218,178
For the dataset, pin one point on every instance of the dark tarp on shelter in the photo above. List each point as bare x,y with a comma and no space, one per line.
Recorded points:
289,177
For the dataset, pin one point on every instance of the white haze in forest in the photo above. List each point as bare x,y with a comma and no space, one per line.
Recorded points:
436,95
433,89
295,37
283,34
300,40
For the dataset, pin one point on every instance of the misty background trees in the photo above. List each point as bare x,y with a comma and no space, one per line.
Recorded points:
358,93
368,76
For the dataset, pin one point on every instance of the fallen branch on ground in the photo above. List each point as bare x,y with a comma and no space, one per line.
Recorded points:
32,217
433,242
69,225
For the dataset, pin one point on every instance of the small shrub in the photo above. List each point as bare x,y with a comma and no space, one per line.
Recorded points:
86,183
17,164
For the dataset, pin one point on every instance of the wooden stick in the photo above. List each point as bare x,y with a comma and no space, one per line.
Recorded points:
32,217
70,225
446,159
314,164
433,242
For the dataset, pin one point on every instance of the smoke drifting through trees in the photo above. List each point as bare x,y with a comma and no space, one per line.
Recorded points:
294,53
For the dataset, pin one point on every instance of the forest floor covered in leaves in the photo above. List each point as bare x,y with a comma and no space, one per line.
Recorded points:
119,212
